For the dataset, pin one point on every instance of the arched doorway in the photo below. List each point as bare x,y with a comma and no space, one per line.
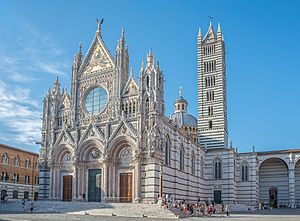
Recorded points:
297,183
124,171
274,183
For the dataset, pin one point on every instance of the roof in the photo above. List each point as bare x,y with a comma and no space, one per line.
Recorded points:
184,119
18,149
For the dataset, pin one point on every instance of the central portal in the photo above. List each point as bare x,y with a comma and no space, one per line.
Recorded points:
94,185
126,187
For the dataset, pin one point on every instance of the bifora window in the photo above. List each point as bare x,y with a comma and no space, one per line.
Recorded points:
96,100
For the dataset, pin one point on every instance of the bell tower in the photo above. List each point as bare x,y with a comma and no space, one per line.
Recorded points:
212,104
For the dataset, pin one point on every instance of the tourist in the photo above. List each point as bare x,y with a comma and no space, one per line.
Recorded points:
31,207
23,204
222,209
227,210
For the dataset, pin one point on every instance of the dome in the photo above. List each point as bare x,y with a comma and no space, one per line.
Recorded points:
184,119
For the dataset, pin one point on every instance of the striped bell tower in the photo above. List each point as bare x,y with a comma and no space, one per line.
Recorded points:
212,104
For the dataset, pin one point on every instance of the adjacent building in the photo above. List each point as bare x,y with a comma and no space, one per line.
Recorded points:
109,139
19,175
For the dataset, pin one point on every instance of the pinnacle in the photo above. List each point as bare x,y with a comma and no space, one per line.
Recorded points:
219,27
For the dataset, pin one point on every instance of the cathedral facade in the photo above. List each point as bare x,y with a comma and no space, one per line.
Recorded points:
109,140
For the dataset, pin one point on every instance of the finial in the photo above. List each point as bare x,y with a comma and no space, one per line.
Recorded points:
231,144
80,46
142,64
99,25
199,33
180,91
123,32
150,51
56,82
131,72
219,27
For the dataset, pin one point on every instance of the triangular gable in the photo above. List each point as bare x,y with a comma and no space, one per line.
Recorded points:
65,101
98,58
124,129
210,34
92,132
131,87
64,138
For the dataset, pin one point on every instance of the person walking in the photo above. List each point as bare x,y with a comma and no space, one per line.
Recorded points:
227,210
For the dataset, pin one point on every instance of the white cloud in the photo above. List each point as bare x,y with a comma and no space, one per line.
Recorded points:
19,114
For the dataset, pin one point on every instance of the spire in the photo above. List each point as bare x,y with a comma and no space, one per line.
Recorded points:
199,33
150,58
56,87
131,72
219,27
219,32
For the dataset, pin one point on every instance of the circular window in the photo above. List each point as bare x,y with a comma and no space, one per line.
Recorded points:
96,100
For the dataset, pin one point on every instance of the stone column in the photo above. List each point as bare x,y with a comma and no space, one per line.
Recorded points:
291,183
137,184
104,181
74,186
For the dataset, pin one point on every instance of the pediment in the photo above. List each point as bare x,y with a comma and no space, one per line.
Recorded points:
92,131
97,59
131,87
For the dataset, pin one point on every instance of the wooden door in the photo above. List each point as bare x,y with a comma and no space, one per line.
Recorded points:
67,188
126,187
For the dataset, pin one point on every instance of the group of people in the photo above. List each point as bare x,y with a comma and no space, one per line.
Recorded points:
196,209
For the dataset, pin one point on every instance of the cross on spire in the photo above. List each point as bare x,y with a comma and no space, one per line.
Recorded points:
180,91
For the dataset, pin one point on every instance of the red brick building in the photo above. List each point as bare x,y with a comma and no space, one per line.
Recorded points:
19,175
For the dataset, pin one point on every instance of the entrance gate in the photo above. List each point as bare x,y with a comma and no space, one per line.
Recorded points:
67,188
125,187
94,185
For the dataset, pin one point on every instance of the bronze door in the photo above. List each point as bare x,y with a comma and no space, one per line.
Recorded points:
126,187
67,188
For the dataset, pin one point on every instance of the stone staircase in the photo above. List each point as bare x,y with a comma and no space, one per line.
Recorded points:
91,208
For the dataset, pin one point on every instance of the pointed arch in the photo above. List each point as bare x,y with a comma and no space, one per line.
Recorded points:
181,158
167,150
244,171
193,161
217,165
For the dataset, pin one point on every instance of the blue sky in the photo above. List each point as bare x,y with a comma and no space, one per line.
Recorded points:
38,40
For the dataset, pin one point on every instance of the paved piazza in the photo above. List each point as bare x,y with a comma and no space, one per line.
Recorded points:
67,217
97,211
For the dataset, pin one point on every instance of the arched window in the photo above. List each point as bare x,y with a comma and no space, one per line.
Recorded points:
167,151
148,82
27,163
193,163
26,195
17,161
5,158
210,124
15,194
218,169
245,172
147,105
181,160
